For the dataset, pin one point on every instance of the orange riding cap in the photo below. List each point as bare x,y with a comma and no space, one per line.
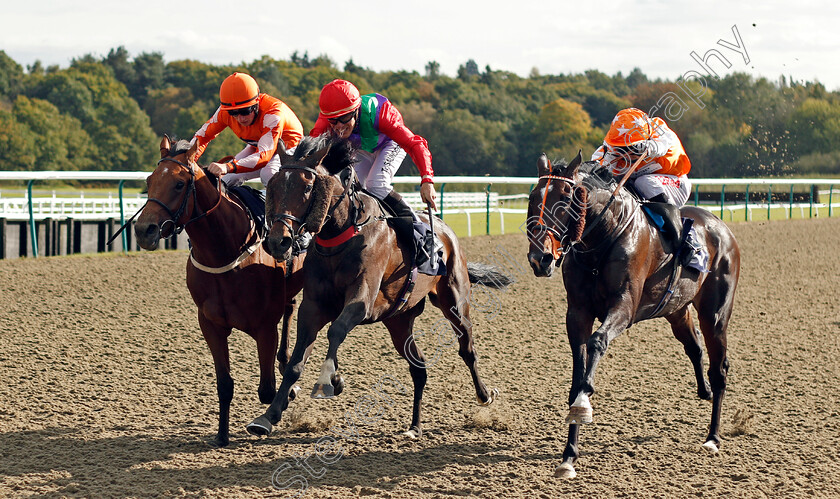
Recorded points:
237,91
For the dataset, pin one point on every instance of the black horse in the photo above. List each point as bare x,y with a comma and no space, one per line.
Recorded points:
362,273
616,270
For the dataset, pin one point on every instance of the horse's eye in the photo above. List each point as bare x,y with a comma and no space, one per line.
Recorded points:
307,189
179,185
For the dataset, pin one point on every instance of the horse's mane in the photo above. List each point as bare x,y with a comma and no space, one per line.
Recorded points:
178,147
593,173
339,157
182,146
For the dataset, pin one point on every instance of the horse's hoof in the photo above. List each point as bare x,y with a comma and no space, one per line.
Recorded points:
565,471
579,415
711,447
218,442
491,396
260,427
323,391
293,393
338,384
413,433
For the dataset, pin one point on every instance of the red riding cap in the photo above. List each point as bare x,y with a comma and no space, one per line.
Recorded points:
339,97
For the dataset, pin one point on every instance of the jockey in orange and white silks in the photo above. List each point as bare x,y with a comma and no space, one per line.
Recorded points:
260,120
376,128
662,175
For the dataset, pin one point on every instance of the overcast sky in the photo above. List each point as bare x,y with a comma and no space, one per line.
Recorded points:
798,39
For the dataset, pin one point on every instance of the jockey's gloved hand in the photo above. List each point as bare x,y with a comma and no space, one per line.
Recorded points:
302,241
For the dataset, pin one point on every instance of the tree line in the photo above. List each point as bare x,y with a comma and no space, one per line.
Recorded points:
108,113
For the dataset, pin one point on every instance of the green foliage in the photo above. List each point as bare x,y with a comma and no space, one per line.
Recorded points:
563,127
109,113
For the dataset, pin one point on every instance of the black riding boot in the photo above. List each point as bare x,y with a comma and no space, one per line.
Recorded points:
404,223
672,226
398,205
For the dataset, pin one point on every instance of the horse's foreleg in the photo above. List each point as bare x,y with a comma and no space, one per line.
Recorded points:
683,329
330,383
309,323
579,331
579,327
217,341
283,352
580,410
266,352
566,469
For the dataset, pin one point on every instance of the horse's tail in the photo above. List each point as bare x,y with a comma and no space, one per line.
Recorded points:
488,275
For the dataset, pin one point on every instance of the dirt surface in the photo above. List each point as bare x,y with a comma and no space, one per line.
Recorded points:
108,390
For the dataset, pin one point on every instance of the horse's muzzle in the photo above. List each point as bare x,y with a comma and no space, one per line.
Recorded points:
280,247
148,235
541,263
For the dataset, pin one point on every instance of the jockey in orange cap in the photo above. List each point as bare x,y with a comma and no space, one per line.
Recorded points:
259,120
662,175
376,128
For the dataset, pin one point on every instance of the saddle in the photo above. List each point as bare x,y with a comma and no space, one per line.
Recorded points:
416,234
677,233
254,202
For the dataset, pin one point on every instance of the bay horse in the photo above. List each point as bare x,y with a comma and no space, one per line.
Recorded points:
233,281
360,272
616,270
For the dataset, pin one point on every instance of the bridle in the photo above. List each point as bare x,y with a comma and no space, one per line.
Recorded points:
554,235
558,248
288,219
174,217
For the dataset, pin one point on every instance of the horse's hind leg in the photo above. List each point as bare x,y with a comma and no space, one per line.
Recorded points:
714,308
683,328
401,328
217,341
453,299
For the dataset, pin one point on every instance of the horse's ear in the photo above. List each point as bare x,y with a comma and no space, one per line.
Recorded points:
321,197
165,146
572,169
319,156
192,152
281,147
543,166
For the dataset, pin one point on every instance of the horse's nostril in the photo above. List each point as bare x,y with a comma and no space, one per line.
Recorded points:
546,260
152,229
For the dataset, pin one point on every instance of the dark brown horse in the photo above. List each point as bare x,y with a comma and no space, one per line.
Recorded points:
616,270
358,273
234,282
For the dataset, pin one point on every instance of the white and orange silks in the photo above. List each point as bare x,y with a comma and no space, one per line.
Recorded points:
664,170
275,120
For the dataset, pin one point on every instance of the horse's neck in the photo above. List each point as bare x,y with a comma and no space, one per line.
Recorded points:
605,214
222,233
350,206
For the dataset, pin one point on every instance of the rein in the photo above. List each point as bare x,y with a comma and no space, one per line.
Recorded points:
173,217
557,248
